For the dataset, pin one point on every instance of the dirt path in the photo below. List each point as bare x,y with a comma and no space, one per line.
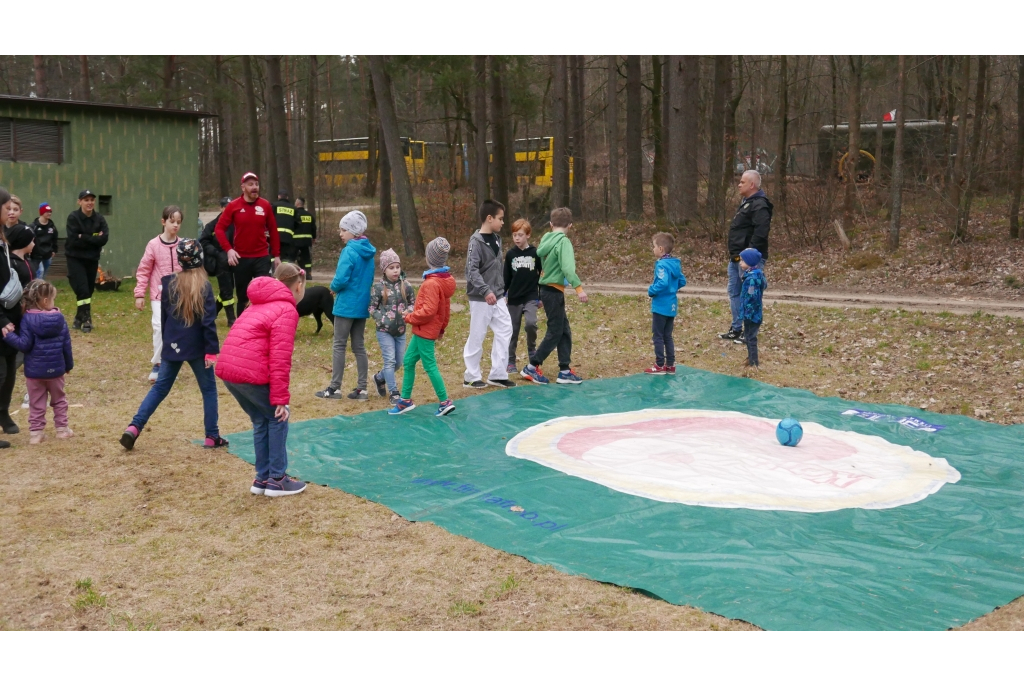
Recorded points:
826,299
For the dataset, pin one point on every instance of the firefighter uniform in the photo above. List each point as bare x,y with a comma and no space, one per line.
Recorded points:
215,260
305,234
284,214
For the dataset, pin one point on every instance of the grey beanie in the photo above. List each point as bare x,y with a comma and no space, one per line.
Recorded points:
437,252
354,222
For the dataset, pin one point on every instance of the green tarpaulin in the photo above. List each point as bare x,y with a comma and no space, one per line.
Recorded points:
934,563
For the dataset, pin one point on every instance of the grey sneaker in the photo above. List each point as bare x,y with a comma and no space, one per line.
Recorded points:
382,388
358,394
329,393
476,385
283,486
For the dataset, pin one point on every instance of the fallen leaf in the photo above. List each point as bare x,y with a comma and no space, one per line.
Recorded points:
516,508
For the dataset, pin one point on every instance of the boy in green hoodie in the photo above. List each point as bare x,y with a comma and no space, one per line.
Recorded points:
559,264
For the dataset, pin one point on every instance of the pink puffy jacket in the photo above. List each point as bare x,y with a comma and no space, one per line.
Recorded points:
259,346
160,259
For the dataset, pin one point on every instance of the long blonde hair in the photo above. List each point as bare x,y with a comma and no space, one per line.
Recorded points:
189,294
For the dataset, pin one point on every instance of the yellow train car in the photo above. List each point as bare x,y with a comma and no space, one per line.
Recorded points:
343,160
535,161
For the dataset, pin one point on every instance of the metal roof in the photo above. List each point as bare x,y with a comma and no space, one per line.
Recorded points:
18,99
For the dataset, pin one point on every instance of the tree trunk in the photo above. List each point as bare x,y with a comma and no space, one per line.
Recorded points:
731,139
657,65
961,140
411,235
833,68
499,144
168,92
39,65
255,163
223,140
716,152
853,151
560,116
84,83
973,162
782,161
1018,157
676,140
577,201
949,97
387,221
375,155
634,152
883,109
612,122
480,168
310,151
278,125
897,156
689,110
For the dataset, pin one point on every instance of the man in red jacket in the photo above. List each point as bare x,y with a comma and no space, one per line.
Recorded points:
256,238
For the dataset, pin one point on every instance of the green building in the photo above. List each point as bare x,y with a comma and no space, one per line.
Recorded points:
137,160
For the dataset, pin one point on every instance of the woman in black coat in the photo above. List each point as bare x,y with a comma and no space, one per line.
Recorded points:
16,238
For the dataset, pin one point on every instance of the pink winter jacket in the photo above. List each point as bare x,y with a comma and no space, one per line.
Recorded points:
259,346
160,259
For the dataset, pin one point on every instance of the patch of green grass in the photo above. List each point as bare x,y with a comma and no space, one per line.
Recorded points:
88,597
965,409
1013,282
944,315
464,608
922,365
828,349
508,585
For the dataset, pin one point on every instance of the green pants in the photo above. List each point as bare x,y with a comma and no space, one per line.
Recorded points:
421,349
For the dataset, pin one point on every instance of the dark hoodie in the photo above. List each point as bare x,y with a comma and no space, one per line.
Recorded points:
751,225
46,342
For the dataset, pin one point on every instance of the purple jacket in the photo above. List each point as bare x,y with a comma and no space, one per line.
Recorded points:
46,342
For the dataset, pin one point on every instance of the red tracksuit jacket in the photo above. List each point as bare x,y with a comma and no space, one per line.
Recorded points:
252,224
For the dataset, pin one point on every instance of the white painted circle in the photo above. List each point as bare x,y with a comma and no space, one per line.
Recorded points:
731,459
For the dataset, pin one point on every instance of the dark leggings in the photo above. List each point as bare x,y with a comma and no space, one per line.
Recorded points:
82,276
247,269
8,374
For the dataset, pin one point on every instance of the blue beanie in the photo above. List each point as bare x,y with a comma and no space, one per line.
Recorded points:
751,257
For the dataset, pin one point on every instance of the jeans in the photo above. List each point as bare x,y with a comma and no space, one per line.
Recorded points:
247,269
40,267
750,335
483,316
393,351
517,312
269,436
343,328
421,349
664,346
168,372
735,292
558,335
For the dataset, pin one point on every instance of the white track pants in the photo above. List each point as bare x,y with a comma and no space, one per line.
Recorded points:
158,336
481,317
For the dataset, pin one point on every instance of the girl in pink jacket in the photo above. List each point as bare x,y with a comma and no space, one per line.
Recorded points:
255,364
160,259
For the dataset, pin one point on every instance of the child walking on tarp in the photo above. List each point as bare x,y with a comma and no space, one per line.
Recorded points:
754,285
428,319
391,299
522,274
559,260
160,259
351,287
188,326
668,279
256,366
44,339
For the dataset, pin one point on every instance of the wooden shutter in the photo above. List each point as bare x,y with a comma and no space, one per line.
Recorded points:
38,141
6,151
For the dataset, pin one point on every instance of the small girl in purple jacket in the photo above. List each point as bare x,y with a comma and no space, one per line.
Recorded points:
43,336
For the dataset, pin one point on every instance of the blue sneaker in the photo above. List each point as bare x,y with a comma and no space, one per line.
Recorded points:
401,406
445,408
511,369
569,377
259,487
533,373
283,486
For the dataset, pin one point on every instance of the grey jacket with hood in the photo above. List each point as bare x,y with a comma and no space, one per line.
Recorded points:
484,269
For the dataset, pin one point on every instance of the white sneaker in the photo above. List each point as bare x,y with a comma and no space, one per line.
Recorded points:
24,403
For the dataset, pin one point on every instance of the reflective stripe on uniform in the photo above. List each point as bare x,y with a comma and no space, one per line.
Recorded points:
88,300
285,230
228,303
299,236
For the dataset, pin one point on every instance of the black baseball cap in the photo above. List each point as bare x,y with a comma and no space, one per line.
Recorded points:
224,201
86,193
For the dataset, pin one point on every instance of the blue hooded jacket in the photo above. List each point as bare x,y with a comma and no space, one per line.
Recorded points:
46,342
353,279
668,279
751,292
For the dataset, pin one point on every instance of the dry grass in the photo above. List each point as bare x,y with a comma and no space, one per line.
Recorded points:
168,537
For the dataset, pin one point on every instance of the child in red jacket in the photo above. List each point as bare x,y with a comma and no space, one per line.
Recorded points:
255,364
428,319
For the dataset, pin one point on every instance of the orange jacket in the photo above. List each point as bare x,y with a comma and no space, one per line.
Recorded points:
432,311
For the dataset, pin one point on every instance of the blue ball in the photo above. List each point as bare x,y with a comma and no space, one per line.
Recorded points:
789,431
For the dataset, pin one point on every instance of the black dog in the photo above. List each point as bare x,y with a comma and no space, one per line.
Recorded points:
317,301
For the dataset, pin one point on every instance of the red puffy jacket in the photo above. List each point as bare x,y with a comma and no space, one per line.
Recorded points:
259,347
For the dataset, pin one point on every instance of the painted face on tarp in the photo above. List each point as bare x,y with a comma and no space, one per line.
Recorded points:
733,460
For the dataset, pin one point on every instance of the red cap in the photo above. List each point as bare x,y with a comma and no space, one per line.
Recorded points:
247,175
44,208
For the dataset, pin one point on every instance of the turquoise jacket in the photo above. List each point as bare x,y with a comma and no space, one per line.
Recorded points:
353,278
668,279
